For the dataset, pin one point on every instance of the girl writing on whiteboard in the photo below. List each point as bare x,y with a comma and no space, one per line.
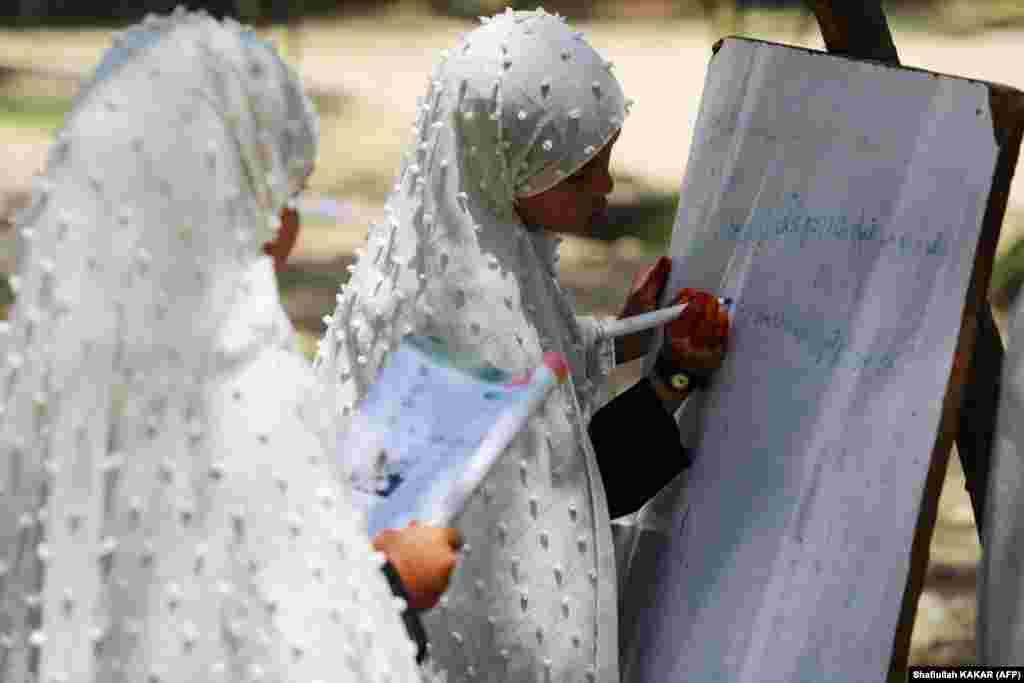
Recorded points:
512,144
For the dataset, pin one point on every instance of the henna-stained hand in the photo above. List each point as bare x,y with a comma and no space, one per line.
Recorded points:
697,340
424,557
643,297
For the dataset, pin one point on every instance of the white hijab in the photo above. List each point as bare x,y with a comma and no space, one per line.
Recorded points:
167,512
1000,631
521,103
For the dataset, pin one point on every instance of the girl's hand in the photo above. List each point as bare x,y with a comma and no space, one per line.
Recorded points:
424,557
697,340
643,297
281,246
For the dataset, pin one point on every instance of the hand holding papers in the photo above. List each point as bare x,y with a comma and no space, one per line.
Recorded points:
430,429
424,557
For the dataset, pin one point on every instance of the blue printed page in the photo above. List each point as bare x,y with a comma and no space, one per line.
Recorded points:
420,425
839,204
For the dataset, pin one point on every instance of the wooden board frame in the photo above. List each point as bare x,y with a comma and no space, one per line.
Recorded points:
1008,126
859,30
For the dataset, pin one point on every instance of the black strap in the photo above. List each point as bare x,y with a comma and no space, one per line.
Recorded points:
411,617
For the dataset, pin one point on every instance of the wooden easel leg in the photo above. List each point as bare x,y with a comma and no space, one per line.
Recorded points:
929,508
976,435
919,556
855,29
978,352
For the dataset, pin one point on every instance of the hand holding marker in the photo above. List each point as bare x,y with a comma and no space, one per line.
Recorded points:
638,323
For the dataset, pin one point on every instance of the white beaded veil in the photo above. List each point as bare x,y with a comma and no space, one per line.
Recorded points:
167,512
519,104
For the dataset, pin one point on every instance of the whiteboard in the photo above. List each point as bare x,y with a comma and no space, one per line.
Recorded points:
839,204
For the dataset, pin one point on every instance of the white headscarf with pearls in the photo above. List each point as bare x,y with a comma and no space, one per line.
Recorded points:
521,103
167,510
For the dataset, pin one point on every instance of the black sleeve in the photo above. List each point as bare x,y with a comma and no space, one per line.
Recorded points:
410,616
637,446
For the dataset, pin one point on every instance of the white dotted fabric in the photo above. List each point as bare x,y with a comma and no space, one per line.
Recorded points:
519,104
166,510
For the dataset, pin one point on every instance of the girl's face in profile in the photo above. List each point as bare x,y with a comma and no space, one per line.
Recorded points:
575,204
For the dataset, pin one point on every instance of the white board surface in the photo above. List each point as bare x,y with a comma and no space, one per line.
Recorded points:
839,204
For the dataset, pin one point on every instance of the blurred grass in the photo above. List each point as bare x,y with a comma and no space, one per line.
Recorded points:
906,20
33,111
6,293
299,278
307,343
1008,275
48,112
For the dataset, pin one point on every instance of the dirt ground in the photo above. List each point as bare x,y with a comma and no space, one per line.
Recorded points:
375,69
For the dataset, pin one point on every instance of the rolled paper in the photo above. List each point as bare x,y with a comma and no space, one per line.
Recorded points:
557,364
554,362
324,208
552,372
479,411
